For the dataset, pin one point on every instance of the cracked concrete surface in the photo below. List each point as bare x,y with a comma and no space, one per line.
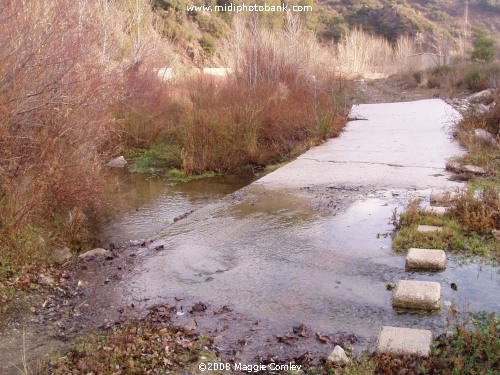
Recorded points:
400,145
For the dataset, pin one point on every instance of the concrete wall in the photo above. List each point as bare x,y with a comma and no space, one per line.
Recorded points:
421,61
169,74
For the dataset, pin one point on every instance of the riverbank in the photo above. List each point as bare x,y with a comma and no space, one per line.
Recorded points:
111,274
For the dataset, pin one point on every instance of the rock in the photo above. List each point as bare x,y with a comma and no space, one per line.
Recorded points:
474,169
460,168
428,228
95,252
454,166
191,325
485,96
483,137
61,254
420,295
118,162
404,341
426,259
338,356
46,280
443,196
438,210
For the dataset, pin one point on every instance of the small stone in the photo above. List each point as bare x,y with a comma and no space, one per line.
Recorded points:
118,162
426,259
443,196
438,210
404,341
338,356
485,138
95,252
429,228
191,325
46,280
474,169
420,295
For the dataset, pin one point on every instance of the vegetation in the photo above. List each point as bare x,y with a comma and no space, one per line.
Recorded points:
136,348
153,346
462,76
484,47
473,218
467,229
472,348
75,94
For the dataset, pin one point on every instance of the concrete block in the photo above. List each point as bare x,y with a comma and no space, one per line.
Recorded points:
221,72
426,259
404,341
474,169
443,196
429,228
438,210
420,295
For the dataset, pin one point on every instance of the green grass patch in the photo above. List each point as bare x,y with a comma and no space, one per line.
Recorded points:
159,158
453,237
178,175
485,157
484,183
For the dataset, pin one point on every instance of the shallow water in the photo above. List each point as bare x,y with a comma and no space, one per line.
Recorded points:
273,250
143,205
288,264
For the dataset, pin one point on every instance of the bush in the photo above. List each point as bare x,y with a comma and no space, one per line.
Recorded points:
480,214
207,44
233,125
484,47
60,83
418,77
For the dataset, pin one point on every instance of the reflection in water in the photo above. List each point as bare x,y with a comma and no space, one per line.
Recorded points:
277,259
142,205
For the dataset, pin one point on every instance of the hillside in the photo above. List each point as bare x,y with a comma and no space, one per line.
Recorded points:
195,35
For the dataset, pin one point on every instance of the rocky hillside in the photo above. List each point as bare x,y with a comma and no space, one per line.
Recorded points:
195,35
392,18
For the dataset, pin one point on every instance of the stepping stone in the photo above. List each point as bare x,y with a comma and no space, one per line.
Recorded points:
438,210
404,341
429,228
419,295
426,259
443,196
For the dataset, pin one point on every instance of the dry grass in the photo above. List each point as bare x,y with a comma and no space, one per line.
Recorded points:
61,65
78,82
280,99
362,54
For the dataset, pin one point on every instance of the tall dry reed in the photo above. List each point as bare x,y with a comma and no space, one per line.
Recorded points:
61,65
